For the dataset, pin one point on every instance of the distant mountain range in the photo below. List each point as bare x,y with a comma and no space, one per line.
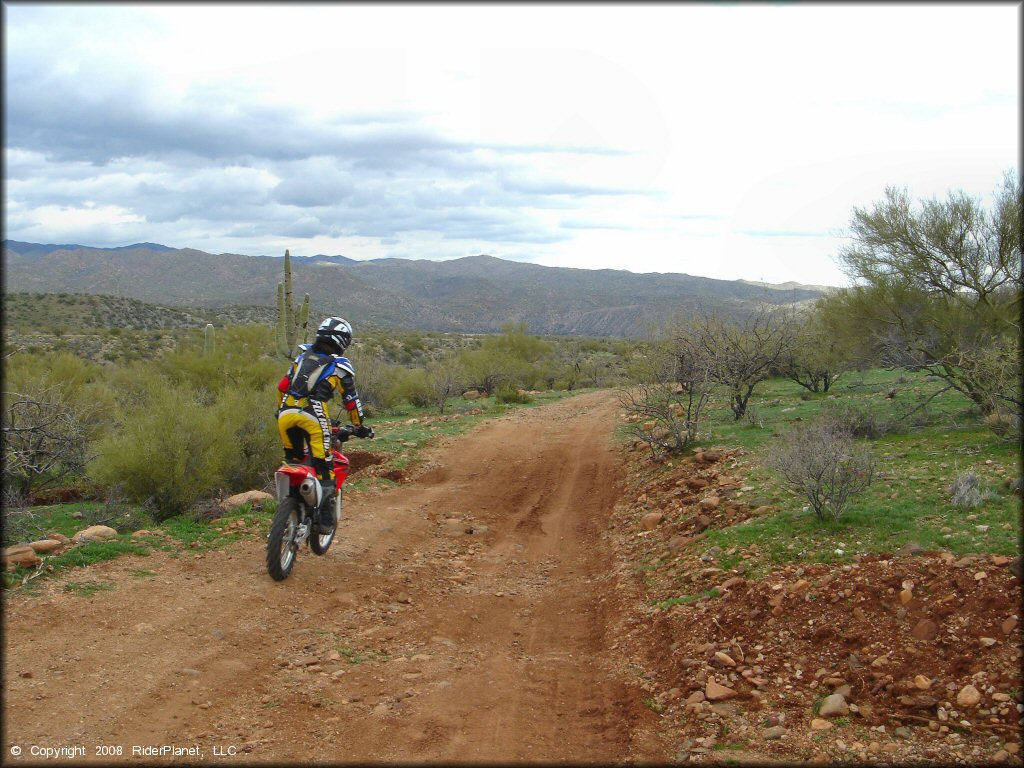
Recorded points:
473,294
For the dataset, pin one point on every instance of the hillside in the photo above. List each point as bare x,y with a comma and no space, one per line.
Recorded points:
71,312
473,294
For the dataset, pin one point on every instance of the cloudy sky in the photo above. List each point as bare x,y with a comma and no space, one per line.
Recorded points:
724,140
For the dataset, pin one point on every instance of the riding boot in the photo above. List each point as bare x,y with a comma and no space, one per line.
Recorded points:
325,513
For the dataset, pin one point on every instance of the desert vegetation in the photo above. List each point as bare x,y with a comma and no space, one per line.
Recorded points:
194,419
168,408
936,292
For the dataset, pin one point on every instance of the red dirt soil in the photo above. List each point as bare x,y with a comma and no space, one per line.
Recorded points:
465,616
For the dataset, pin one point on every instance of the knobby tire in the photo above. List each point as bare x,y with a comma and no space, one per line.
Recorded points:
282,534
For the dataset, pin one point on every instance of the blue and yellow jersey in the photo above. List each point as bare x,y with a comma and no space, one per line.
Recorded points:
315,377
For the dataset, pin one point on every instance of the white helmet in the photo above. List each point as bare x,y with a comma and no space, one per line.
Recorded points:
335,334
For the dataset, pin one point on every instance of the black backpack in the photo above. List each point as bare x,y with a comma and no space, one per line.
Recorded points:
310,378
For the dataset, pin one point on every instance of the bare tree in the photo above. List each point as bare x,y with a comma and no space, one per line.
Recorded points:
667,401
444,379
45,439
740,353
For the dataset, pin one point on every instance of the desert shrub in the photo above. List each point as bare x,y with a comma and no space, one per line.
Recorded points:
374,378
823,462
510,394
1006,425
170,450
132,382
666,404
206,373
858,421
965,490
252,449
409,385
754,417
21,524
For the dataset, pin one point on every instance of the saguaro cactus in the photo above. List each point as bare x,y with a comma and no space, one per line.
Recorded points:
208,339
292,322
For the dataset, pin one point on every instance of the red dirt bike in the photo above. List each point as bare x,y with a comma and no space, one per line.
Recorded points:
298,497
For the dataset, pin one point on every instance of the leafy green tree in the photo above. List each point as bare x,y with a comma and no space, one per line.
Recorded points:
818,355
938,288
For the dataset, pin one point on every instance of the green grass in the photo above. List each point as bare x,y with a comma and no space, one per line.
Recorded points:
664,605
204,535
93,552
87,588
55,518
652,705
909,501
355,656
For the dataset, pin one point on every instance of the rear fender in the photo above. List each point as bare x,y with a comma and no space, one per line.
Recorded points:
288,477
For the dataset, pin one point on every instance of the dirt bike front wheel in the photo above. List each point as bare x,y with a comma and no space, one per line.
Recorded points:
319,543
281,546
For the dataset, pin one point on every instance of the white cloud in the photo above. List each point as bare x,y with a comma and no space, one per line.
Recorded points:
729,141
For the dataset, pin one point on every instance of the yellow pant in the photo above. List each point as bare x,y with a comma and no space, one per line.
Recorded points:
309,425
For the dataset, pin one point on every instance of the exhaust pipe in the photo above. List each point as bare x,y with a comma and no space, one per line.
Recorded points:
310,491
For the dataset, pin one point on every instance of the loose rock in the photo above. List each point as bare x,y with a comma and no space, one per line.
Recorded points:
256,498
45,545
834,706
925,629
968,696
94,532
718,692
21,554
651,520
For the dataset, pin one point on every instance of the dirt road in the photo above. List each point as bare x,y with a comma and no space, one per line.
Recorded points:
469,615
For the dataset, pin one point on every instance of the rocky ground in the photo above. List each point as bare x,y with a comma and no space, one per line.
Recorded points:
904,657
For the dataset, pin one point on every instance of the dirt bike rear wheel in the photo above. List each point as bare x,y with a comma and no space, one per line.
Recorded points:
281,546
319,543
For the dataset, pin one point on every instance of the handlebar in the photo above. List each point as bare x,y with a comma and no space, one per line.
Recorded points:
343,433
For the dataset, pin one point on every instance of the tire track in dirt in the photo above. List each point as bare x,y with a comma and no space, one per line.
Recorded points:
411,640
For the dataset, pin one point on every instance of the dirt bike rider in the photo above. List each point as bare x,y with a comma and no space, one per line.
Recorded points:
315,375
